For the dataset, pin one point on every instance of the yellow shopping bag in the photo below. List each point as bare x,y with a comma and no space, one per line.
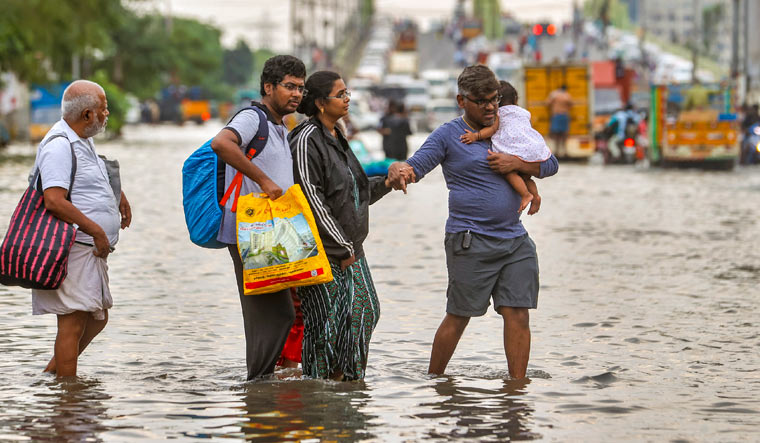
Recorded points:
279,244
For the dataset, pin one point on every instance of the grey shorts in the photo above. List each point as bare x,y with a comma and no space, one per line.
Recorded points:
505,269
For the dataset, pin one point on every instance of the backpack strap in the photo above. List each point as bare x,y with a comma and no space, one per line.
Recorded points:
259,140
37,179
254,148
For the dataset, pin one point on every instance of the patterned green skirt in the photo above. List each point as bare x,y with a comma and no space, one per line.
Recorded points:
339,318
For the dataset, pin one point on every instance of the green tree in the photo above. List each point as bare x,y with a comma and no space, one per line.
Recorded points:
615,11
711,17
39,37
117,103
196,55
238,65
139,56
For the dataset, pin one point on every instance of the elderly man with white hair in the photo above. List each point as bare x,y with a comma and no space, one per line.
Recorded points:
83,299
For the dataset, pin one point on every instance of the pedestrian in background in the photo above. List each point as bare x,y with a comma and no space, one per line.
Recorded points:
84,298
394,127
559,102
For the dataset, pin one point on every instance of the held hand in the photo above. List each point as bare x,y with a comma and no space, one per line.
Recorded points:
126,211
469,137
347,262
399,174
102,245
271,189
503,163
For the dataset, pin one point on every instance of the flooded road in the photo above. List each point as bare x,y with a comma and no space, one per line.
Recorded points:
647,327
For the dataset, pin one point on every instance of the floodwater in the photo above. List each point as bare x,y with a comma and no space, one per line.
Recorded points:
647,327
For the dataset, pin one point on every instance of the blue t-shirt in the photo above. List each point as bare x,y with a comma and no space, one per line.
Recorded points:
480,200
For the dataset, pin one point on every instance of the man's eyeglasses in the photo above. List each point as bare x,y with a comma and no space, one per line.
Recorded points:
292,87
483,102
342,96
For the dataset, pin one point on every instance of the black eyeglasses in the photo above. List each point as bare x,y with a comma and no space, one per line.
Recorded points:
483,102
343,95
292,87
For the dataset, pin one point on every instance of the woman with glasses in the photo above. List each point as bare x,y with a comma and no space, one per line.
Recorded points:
339,316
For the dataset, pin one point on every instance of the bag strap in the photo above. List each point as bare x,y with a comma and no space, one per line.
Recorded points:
255,146
37,179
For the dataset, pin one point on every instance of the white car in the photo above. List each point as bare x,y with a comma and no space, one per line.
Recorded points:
417,97
362,117
439,83
371,72
440,111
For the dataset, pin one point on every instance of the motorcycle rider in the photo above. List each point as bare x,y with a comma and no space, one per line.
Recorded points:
750,139
623,124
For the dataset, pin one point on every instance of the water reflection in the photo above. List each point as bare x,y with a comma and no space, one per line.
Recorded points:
75,412
473,412
306,409
287,410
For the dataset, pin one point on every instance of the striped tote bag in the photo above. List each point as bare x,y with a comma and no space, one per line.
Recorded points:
35,251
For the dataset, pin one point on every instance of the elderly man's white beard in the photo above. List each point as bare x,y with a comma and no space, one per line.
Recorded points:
95,128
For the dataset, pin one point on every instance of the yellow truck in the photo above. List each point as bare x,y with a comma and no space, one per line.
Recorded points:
706,135
540,81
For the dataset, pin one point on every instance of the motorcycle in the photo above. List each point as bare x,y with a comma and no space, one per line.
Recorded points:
750,152
618,150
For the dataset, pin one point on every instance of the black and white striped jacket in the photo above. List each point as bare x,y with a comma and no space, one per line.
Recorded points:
326,168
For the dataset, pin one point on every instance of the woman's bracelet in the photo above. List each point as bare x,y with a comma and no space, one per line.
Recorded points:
479,136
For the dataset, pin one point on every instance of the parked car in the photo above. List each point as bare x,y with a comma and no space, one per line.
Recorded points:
439,83
362,117
440,111
417,97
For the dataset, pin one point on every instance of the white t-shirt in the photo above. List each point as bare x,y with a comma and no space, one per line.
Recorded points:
517,137
92,193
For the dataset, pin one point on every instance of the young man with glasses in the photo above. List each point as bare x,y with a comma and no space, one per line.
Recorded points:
488,251
267,318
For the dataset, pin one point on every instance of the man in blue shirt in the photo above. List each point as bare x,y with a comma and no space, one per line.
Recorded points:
488,251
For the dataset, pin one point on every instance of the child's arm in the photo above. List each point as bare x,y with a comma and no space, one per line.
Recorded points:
483,134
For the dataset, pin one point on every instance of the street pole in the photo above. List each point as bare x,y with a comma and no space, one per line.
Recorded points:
642,39
746,51
293,29
734,50
695,41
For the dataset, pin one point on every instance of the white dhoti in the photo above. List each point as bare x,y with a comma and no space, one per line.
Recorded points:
85,287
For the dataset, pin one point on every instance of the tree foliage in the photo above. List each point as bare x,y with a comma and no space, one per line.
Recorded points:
40,40
711,17
238,65
39,37
612,12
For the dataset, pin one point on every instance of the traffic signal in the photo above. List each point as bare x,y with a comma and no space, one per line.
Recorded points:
544,29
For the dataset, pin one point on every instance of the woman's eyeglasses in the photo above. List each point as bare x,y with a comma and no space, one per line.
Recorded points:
343,95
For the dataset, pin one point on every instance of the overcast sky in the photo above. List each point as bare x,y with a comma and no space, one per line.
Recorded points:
257,21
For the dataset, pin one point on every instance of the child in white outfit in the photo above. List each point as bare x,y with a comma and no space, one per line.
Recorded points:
512,133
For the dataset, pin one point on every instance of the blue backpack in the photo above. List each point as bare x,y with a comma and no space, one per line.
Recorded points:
203,184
